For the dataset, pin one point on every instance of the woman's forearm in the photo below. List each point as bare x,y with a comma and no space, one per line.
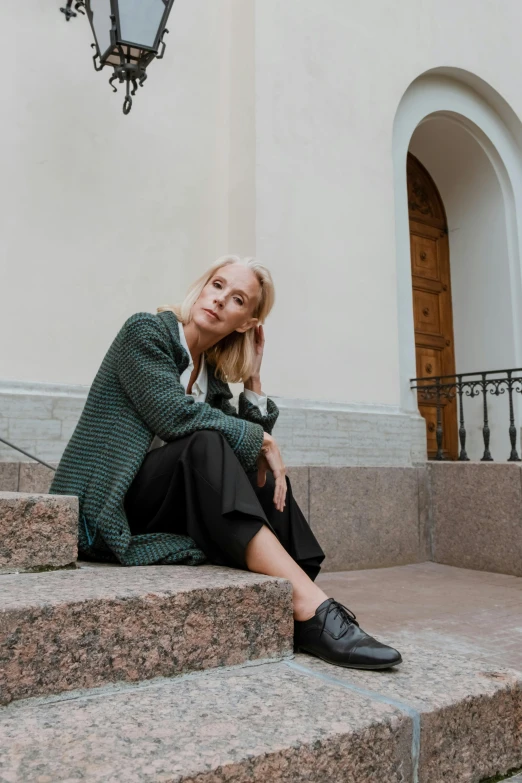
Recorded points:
253,384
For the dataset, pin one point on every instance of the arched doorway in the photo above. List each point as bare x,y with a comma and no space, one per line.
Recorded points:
432,306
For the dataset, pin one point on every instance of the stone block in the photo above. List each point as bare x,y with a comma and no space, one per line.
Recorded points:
68,408
425,530
67,429
50,450
8,454
268,724
477,516
37,531
30,406
300,487
467,714
365,517
36,429
295,455
93,626
35,477
9,472
321,421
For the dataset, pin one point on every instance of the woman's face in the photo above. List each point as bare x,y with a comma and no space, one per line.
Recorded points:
228,301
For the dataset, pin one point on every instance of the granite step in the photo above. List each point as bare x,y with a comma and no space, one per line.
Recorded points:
95,625
25,477
37,532
434,719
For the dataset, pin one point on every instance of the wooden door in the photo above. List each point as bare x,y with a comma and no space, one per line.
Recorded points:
432,308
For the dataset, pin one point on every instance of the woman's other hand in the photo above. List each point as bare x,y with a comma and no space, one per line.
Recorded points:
270,457
254,382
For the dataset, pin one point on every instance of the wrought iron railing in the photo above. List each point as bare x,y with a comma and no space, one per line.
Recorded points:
27,454
472,384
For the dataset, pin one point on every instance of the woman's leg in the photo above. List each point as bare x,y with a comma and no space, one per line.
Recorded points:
290,526
195,486
266,555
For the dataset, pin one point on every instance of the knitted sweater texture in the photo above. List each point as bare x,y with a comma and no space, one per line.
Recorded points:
136,394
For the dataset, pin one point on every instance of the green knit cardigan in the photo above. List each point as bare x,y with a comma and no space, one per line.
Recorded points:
135,395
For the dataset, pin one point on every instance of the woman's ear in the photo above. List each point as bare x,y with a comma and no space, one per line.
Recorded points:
247,325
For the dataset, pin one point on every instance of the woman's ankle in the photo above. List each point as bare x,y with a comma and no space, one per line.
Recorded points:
305,606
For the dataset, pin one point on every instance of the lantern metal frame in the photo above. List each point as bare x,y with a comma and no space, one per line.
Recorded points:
79,5
129,59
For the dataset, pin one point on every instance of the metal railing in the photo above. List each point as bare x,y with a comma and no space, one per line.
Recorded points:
22,451
472,384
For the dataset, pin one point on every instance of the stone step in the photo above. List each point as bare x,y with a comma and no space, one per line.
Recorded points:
434,719
37,532
79,629
25,477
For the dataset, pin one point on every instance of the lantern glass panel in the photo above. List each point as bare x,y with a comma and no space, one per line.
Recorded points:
140,21
102,24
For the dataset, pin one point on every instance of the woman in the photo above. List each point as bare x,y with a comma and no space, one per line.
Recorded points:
167,471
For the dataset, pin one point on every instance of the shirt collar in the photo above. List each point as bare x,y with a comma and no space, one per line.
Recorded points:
200,385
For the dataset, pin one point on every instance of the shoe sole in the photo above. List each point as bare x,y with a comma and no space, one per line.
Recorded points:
366,666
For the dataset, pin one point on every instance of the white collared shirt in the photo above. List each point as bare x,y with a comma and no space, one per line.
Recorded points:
200,386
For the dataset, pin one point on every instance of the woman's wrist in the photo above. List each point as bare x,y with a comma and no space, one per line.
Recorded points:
253,384
267,441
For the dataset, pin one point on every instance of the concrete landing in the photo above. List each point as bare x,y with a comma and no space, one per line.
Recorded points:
470,613
435,719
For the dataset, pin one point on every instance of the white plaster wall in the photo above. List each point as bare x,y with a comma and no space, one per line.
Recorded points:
266,129
103,215
479,263
329,79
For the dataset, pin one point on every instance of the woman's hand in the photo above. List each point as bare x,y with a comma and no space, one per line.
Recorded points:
270,457
254,382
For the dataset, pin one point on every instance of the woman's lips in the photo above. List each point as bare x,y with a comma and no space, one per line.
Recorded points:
211,314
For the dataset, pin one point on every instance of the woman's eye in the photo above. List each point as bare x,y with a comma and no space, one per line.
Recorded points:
238,300
216,282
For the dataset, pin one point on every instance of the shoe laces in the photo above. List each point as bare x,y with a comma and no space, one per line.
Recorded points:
346,615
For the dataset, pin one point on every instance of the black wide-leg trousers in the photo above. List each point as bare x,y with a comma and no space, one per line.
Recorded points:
195,486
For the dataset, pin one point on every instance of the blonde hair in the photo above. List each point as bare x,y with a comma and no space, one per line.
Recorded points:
233,356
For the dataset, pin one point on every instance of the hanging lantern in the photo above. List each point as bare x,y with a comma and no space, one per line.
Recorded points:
129,35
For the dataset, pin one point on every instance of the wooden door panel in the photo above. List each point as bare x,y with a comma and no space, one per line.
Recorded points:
424,257
429,362
432,309
426,312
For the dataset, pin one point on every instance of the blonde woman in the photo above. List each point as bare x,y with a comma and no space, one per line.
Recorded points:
167,471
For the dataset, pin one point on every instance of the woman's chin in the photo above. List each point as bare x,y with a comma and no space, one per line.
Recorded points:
208,323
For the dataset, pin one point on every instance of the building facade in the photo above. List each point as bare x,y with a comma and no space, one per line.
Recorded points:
370,154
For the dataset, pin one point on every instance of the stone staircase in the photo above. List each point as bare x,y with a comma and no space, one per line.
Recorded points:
176,674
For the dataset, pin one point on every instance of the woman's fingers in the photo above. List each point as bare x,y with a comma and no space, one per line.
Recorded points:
260,338
280,492
275,462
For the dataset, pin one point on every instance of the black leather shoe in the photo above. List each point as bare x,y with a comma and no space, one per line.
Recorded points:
333,634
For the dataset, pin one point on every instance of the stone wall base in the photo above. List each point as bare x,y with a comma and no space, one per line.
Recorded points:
40,418
475,515
363,517
467,515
